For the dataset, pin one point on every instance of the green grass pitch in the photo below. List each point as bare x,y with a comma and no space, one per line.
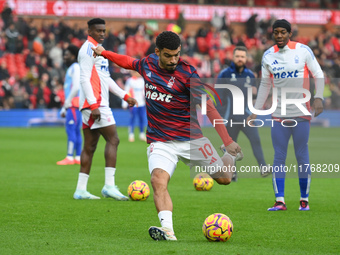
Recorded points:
39,216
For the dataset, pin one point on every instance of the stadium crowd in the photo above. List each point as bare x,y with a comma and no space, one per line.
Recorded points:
317,4
31,57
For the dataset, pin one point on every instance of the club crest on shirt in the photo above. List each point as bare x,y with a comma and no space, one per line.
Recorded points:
296,59
233,77
171,82
247,83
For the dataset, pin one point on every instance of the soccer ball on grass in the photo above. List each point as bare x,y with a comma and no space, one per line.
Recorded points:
217,227
138,190
203,181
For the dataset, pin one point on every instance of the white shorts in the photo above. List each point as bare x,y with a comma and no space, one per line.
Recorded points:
195,153
106,118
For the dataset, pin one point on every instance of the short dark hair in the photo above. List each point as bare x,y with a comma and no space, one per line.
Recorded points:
73,50
242,48
95,21
168,40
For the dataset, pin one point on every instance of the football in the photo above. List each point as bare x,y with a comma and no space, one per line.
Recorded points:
217,227
138,190
203,182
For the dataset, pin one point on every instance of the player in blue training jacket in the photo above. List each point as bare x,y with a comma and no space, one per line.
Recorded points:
70,109
242,77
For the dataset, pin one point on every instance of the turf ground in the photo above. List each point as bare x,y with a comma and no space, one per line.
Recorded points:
39,216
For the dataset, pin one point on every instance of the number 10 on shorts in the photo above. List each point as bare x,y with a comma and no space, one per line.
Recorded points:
206,150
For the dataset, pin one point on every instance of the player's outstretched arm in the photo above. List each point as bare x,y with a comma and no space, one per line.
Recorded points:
116,58
121,60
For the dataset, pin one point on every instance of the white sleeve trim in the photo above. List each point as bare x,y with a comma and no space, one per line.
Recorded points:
115,89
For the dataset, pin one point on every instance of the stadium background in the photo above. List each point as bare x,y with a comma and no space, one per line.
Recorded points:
35,33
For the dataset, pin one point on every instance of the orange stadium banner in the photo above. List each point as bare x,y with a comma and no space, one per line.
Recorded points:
123,10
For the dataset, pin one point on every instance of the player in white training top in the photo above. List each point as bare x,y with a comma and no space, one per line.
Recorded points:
286,67
95,83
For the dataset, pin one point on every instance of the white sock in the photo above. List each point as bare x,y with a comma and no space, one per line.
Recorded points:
165,218
304,198
69,157
281,199
110,176
82,181
77,158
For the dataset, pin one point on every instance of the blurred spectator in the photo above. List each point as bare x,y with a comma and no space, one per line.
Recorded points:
3,71
21,97
216,64
50,43
38,43
22,26
191,46
181,21
225,40
12,36
42,66
56,72
8,99
6,15
30,59
43,92
251,26
226,26
204,70
2,43
56,29
203,30
152,46
57,96
65,31
217,21
56,54
19,46
31,33
111,42
79,33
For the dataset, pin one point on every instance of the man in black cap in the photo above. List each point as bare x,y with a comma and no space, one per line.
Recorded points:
286,65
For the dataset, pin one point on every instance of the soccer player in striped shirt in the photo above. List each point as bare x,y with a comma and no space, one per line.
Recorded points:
287,65
173,130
